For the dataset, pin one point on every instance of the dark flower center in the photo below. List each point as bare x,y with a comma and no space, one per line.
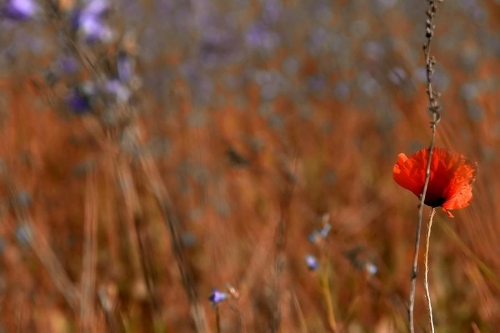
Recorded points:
435,202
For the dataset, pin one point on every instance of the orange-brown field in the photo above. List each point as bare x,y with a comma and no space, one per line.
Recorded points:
250,125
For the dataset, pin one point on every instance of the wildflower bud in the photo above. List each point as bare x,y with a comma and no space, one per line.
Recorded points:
312,262
124,67
24,234
217,297
89,21
79,98
314,237
371,268
117,91
19,10
325,230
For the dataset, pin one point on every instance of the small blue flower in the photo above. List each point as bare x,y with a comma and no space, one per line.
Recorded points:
125,67
24,234
314,237
312,262
325,230
79,98
94,29
217,297
319,234
371,268
68,64
117,90
20,10
97,7
89,21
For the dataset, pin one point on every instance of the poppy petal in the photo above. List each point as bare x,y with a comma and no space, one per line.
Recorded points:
460,189
448,212
450,180
404,173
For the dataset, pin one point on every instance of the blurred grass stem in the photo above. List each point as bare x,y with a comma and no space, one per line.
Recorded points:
327,295
434,107
217,319
173,224
89,255
426,263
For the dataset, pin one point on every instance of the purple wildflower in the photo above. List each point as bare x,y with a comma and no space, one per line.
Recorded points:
259,36
97,7
68,64
20,10
312,262
371,268
24,234
125,67
93,29
79,99
89,21
325,230
118,91
217,297
319,234
314,237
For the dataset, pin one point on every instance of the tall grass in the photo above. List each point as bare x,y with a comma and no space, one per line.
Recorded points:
247,123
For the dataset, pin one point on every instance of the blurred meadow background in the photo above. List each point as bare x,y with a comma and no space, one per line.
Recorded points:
153,150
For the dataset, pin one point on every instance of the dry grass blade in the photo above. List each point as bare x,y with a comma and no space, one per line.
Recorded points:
87,312
42,249
173,224
107,307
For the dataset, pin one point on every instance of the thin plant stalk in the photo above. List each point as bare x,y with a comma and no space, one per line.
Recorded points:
41,248
280,256
411,305
87,311
426,263
434,107
217,319
107,308
302,320
327,295
172,221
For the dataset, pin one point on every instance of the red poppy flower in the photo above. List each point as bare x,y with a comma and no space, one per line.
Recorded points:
450,182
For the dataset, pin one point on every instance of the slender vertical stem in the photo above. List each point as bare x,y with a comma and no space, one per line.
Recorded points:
173,223
87,311
327,295
414,273
280,256
217,319
107,308
434,107
426,277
